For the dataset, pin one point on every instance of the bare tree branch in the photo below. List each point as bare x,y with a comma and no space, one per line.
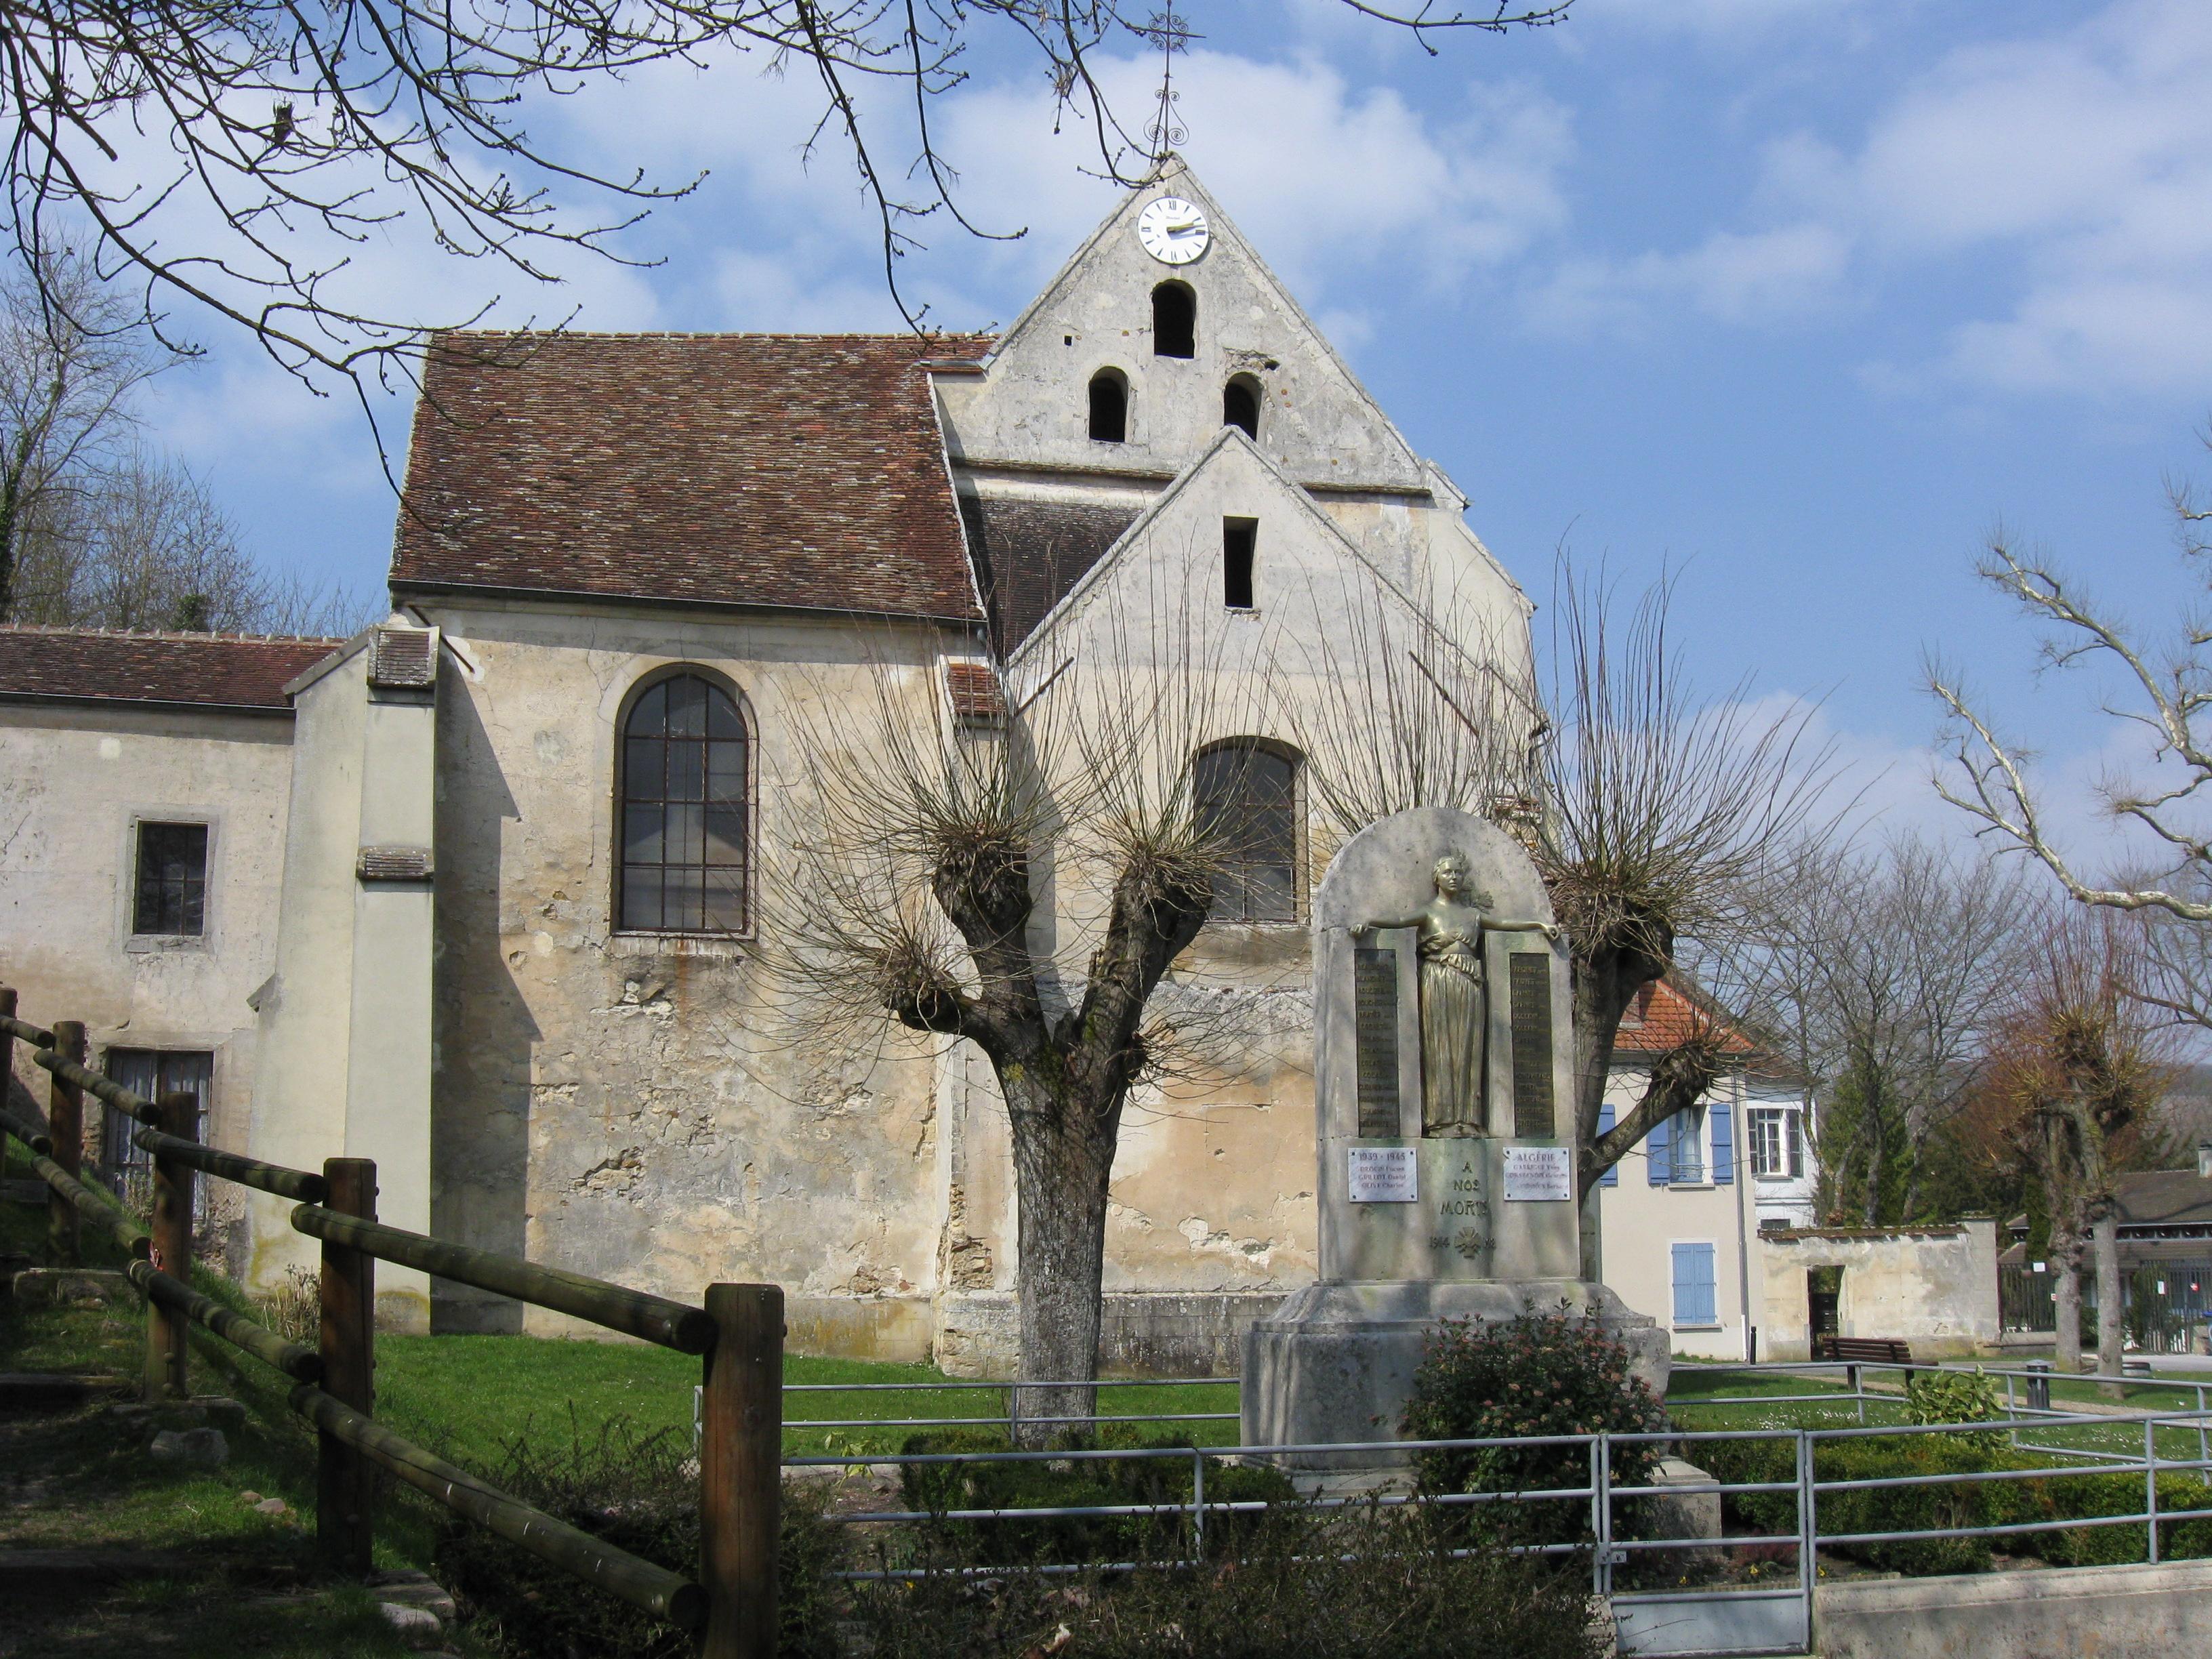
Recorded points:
231,163
1988,775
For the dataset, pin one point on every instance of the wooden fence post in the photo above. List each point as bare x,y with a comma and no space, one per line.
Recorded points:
66,1123
166,1348
741,1471
345,1491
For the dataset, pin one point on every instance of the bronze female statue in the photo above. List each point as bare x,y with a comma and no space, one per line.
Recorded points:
1455,1008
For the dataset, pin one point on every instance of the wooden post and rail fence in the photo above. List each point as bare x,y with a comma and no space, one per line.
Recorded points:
730,1607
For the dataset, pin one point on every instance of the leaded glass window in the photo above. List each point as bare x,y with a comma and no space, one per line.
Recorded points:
172,893
1246,800
685,800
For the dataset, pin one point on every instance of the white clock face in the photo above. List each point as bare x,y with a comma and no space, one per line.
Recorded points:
1172,230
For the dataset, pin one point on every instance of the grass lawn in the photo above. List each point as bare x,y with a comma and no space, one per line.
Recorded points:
1719,1399
471,1395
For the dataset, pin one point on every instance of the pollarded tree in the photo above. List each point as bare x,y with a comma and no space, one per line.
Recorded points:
1016,867
2075,1070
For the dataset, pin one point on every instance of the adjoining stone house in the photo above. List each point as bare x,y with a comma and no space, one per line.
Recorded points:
1681,1216
525,824
145,795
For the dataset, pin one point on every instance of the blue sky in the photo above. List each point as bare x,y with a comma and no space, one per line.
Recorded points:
1799,296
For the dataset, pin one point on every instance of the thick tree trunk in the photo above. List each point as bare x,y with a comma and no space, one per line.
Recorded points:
1870,1211
2066,1291
1063,1160
2105,1249
1605,980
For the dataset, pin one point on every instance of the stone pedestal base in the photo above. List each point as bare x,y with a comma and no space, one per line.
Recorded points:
1336,1364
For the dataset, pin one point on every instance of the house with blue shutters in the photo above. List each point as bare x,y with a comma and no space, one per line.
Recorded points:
1681,1214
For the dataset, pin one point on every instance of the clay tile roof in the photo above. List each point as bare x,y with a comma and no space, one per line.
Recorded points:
231,670
1661,1017
1030,554
735,469
974,688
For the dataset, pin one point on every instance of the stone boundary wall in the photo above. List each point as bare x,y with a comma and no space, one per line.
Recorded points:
1934,1287
2113,1612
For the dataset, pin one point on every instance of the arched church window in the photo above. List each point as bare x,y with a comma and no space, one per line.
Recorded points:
685,803
1245,793
1175,320
1110,406
1240,405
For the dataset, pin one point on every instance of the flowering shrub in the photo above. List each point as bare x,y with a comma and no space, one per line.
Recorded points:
1543,1373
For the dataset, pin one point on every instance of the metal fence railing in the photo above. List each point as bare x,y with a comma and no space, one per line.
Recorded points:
1609,1548
2166,1303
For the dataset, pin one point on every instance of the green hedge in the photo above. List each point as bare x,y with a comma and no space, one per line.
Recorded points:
1076,1483
1966,1503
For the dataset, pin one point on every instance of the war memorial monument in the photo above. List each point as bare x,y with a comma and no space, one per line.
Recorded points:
1443,1071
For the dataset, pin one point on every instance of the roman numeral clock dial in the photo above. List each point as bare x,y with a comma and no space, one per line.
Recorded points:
1173,231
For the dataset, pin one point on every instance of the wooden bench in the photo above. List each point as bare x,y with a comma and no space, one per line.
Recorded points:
1866,1350
1858,1351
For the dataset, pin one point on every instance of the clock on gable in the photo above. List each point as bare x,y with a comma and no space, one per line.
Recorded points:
1173,231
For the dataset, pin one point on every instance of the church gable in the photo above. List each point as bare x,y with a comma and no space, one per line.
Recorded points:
1184,348
1234,561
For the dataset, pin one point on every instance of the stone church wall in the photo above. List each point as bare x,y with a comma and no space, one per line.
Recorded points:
624,1104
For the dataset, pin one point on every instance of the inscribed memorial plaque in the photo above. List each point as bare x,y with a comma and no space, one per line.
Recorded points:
1383,1175
1374,1020
1538,1174
1531,991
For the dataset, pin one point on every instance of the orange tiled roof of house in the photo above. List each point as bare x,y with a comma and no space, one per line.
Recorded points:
1662,1017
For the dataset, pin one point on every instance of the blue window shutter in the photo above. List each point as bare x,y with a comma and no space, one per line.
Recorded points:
1718,1115
1656,1158
1604,1120
1694,1301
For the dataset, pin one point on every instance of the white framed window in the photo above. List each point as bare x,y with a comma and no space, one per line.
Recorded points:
1696,1300
1686,1142
1777,1143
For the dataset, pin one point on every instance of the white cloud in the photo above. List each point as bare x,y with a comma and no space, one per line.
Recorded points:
2079,162
1755,278
1332,182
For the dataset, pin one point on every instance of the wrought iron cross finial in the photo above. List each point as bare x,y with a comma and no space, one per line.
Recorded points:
1171,33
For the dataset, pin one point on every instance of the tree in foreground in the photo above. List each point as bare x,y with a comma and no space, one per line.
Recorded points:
921,896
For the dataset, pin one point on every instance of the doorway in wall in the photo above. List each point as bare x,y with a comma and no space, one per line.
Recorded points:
1824,1296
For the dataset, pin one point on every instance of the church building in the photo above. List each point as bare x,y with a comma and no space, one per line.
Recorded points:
486,892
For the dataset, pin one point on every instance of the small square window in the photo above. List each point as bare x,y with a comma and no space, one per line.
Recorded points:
171,891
